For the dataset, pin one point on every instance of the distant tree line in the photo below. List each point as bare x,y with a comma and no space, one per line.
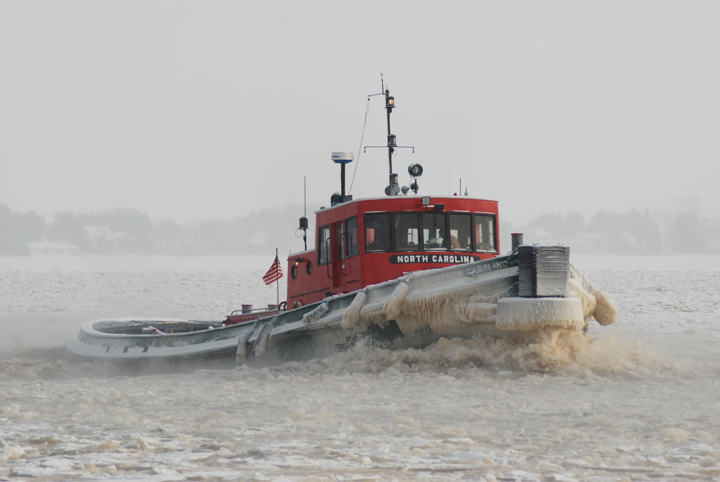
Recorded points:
128,231
682,231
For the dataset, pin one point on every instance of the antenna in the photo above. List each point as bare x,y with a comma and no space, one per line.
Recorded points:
393,189
341,158
303,219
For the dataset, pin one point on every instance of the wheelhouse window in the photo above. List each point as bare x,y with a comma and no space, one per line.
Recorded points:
461,232
485,234
323,245
351,228
377,233
407,231
434,231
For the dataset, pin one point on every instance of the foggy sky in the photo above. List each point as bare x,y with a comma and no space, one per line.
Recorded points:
191,110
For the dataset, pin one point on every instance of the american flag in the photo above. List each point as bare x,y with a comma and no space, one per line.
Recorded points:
274,273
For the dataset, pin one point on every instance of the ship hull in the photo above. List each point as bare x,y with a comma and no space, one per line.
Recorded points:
532,294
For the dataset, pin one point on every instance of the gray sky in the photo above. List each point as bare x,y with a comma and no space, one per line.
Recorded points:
190,110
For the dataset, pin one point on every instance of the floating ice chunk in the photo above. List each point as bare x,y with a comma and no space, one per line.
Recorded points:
626,448
13,452
58,463
298,414
200,456
33,470
524,475
409,421
704,436
467,441
147,443
164,470
109,445
675,434
701,448
465,456
563,478
418,442
371,429
450,432
656,460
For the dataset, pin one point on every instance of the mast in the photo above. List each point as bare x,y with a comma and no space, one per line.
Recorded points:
393,188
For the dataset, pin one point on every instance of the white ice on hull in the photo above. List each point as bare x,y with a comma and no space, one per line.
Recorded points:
460,301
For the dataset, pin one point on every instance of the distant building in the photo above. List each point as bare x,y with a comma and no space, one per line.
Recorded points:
104,241
52,247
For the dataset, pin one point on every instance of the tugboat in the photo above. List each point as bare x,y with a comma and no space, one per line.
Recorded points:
402,270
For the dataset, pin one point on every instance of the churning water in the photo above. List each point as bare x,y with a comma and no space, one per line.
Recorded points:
636,401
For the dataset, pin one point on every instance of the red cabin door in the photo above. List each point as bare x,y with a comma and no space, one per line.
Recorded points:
337,253
340,265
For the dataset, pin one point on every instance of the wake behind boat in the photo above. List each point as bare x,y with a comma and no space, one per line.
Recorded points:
402,270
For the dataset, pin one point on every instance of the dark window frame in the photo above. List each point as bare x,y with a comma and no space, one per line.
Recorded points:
469,215
418,226
341,241
388,216
445,237
321,246
348,233
495,249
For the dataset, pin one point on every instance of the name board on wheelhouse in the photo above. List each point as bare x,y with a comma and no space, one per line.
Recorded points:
433,258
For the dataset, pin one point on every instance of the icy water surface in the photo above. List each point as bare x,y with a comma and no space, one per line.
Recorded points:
638,401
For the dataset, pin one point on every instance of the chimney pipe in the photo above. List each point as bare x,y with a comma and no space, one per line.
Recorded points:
517,240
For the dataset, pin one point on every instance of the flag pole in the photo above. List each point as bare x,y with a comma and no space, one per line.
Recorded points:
277,271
